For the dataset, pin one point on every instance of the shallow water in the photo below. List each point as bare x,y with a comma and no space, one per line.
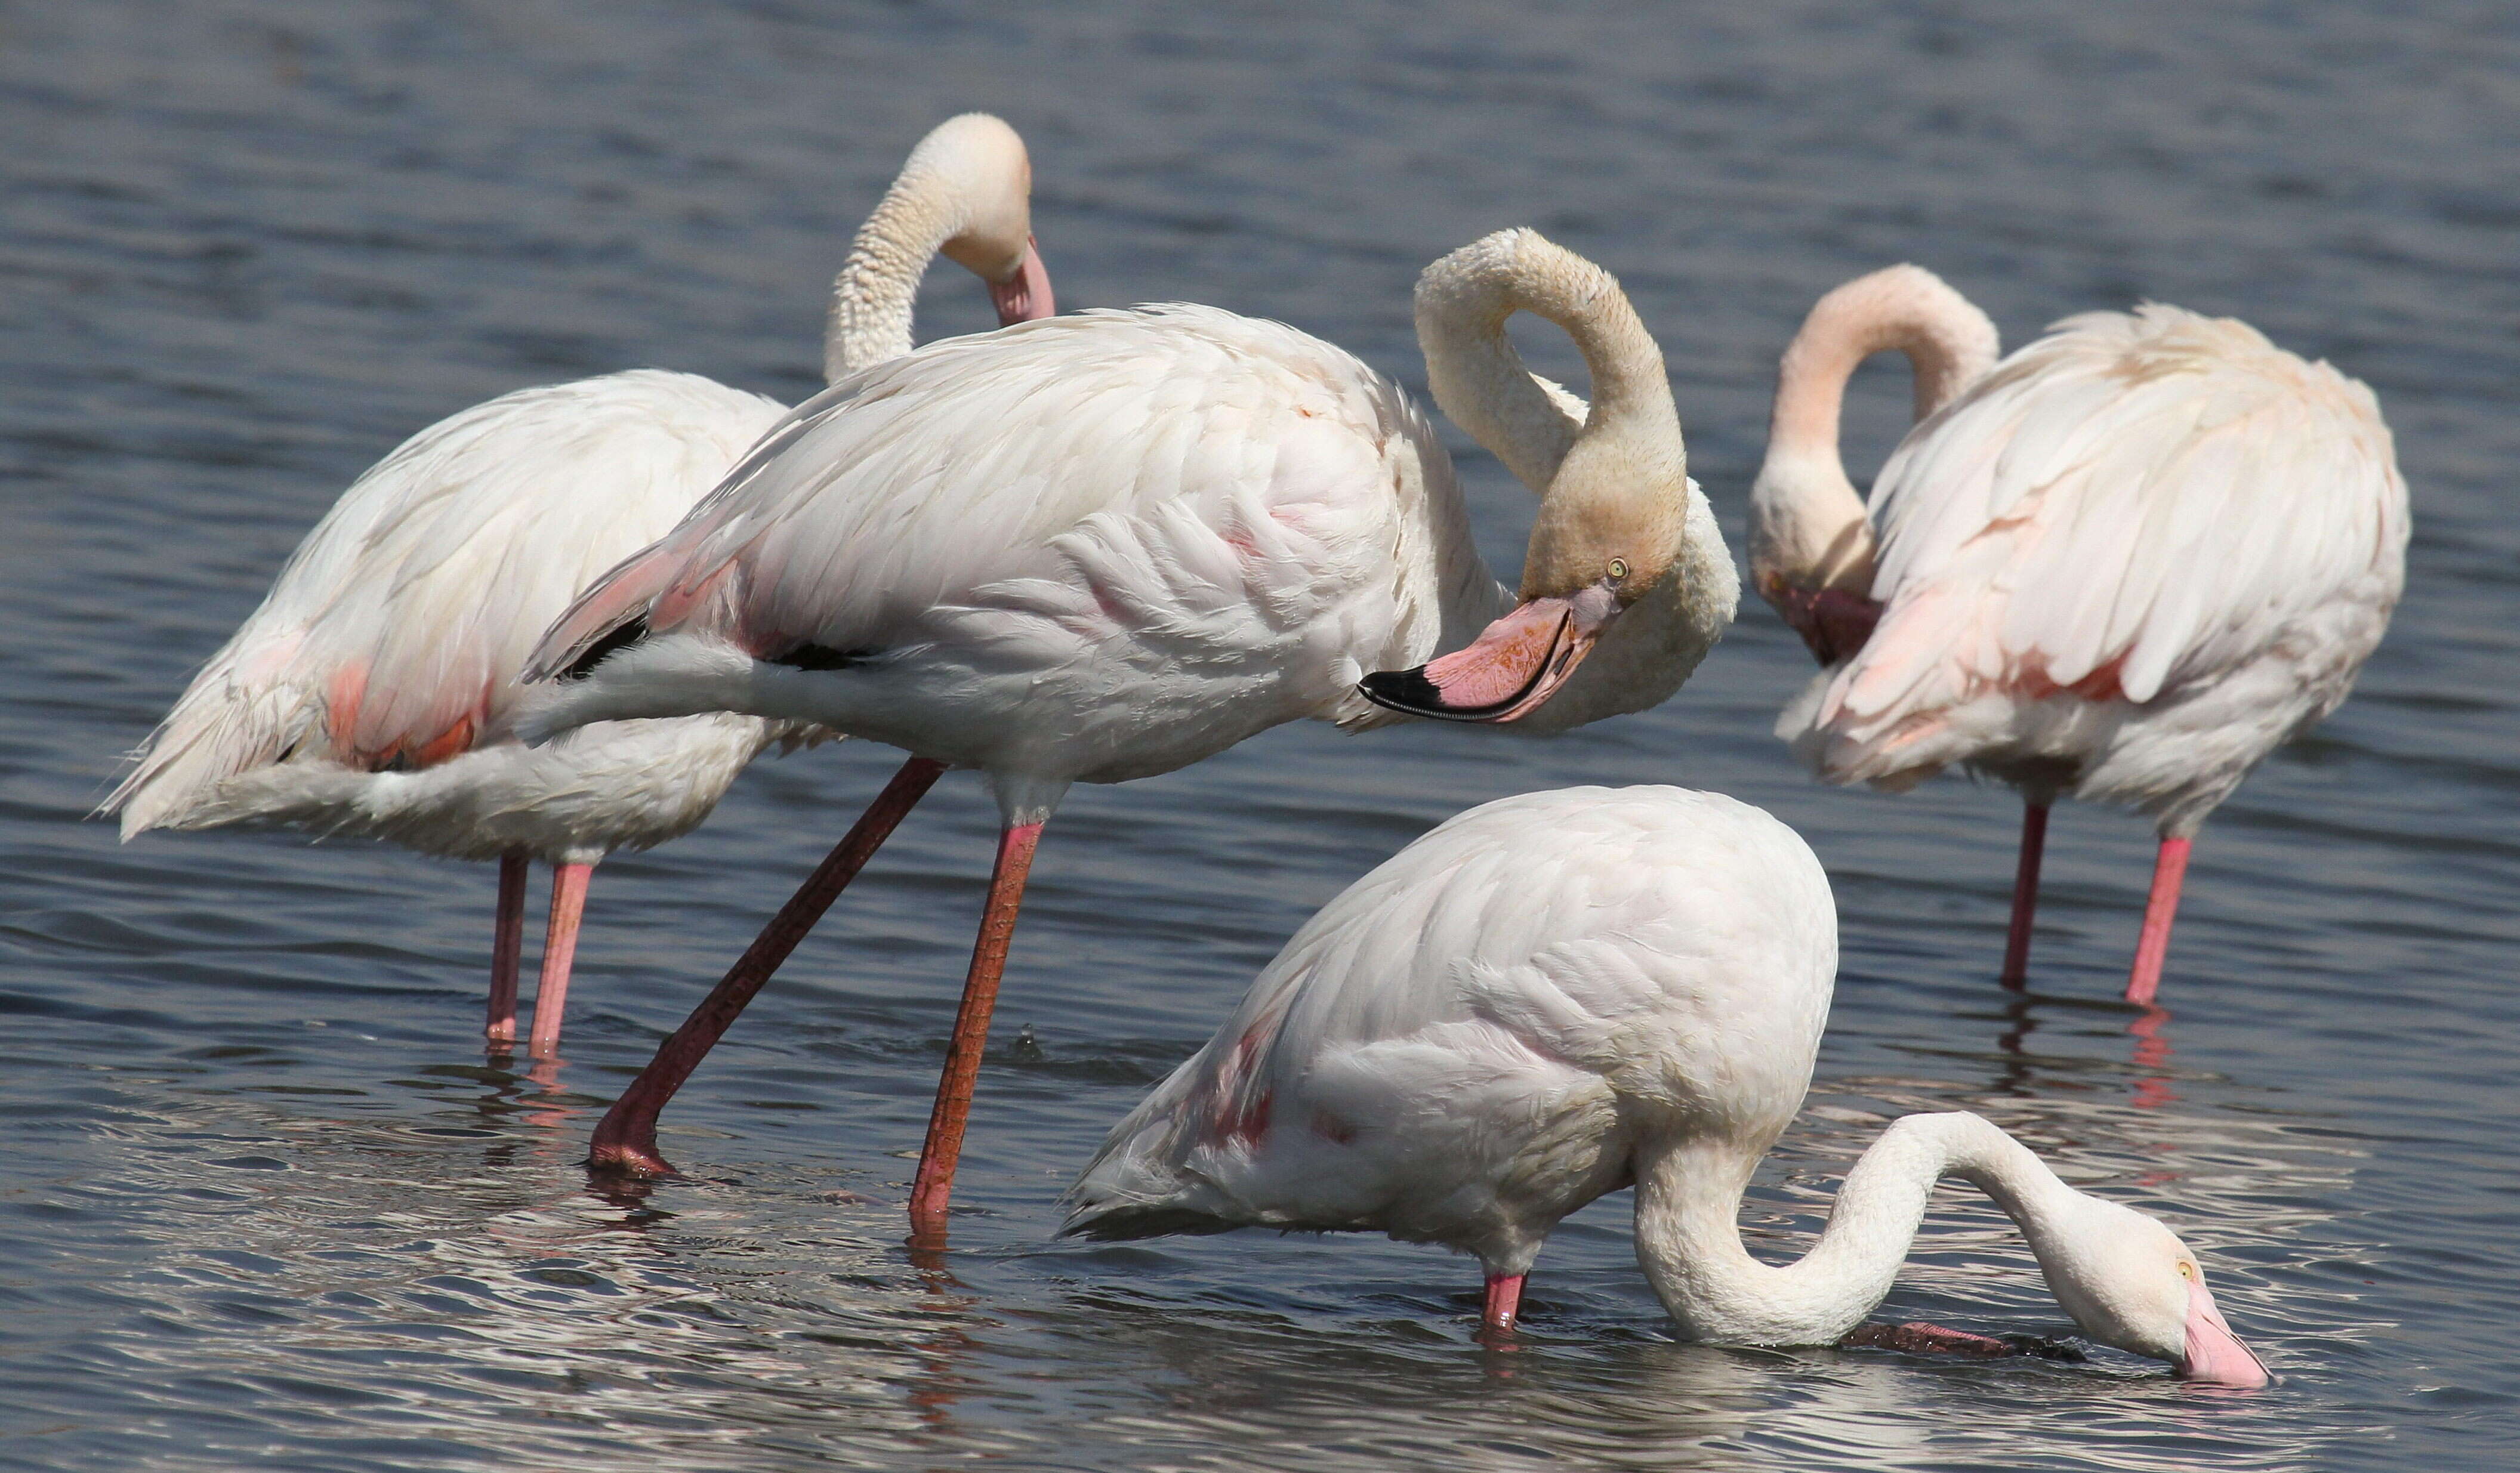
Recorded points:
265,1200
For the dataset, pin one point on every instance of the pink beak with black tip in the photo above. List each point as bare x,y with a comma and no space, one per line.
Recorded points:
2213,1354
1024,295
1512,667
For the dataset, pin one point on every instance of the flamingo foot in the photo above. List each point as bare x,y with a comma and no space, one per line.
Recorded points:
638,1160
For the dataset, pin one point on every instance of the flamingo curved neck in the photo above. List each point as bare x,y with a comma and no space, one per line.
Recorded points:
1614,488
1480,381
1807,522
965,191
1688,1240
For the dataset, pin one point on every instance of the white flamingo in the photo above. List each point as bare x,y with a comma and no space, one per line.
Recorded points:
2123,564
1107,546
374,691
1559,995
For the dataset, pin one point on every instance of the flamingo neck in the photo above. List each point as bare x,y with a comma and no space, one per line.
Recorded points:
1689,1242
964,191
1808,527
1480,381
1617,477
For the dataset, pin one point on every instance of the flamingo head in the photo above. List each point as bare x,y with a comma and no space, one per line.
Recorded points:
2130,1282
984,161
1610,532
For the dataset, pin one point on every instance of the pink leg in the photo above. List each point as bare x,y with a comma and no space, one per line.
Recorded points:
625,1141
506,942
2159,910
559,953
933,1190
2025,894
1505,1302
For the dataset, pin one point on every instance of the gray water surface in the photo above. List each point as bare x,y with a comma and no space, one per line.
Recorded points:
265,1203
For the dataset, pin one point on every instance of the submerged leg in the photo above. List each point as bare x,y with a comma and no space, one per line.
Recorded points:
506,942
2169,869
625,1141
1505,1301
2025,894
1919,1338
934,1188
559,953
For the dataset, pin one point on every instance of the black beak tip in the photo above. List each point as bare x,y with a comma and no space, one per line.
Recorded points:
1406,691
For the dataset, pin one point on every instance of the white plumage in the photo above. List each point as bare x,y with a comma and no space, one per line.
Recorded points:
2123,564
1095,548
375,691
1103,547
2151,544
1454,1048
1555,995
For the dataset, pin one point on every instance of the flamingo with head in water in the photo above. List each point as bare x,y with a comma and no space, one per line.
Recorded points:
1559,995
374,691
2123,564
1107,546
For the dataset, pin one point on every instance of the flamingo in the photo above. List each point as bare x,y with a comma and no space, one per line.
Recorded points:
1555,995
2125,563
372,692
1105,547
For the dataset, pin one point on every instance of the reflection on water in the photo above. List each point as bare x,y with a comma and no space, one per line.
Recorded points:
415,1277
267,1205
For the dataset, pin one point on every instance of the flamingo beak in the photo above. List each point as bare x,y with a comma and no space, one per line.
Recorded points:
1024,295
2213,1354
1510,670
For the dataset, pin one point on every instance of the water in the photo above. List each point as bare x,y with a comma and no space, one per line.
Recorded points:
264,1202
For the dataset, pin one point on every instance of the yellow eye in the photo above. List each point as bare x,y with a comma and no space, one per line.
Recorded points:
2186,1269
1618,568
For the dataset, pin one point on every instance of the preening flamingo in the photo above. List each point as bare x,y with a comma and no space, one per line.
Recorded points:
374,691
2123,564
1107,546
1555,995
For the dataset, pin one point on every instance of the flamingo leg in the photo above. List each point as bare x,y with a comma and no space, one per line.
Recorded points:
933,1189
2168,870
1505,1301
506,942
1918,1338
560,954
2025,895
625,1139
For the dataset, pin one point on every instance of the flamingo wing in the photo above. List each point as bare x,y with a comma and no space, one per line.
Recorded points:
2138,504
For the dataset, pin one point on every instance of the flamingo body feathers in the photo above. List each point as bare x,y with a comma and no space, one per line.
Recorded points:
1090,547
375,690
2127,563
1464,1046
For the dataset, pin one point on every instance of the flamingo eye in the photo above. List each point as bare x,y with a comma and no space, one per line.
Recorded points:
2186,1269
1618,568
